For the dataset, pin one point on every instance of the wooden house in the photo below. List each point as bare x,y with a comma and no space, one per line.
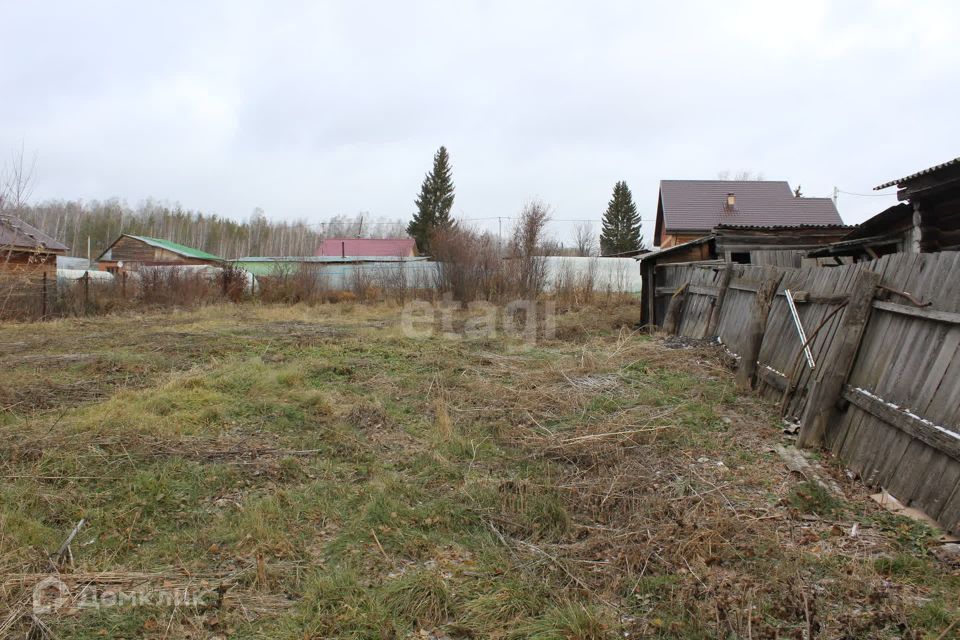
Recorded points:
26,249
926,220
129,252
782,246
691,209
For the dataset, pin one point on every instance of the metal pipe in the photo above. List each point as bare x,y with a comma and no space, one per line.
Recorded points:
799,325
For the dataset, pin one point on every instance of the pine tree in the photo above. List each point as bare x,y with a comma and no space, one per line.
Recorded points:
621,224
434,202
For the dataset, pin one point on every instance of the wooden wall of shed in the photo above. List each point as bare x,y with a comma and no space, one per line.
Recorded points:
740,240
777,258
132,250
668,240
944,225
27,261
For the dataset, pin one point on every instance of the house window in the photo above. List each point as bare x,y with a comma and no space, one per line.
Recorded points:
740,257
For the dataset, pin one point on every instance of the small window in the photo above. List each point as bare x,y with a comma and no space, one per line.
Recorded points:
740,258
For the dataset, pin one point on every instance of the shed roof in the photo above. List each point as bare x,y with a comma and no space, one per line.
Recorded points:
16,233
697,205
659,253
923,172
352,247
179,249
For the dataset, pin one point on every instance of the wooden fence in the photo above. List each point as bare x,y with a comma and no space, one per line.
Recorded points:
884,389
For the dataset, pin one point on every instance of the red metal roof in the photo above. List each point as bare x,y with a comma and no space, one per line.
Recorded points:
367,247
699,205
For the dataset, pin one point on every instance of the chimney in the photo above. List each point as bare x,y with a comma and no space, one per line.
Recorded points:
731,201
343,249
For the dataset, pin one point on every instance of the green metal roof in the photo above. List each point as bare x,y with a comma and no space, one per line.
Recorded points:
183,250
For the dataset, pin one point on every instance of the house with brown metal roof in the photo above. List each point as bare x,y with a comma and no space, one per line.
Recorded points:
691,209
23,247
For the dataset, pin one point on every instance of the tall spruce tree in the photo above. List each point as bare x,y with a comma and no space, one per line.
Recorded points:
434,202
621,223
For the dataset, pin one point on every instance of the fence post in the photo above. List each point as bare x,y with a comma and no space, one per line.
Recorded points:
671,323
86,292
825,391
714,323
747,371
43,297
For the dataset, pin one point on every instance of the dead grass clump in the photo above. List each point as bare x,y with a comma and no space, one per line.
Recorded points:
368,416
442,419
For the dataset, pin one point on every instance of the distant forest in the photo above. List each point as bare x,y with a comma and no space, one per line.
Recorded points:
72,222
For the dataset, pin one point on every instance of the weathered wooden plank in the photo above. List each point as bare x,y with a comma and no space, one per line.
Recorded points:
825,392
817,298
672,320
949,517
918,312
942,439
773,378
936,484
755,329
745,286
714,321
702,290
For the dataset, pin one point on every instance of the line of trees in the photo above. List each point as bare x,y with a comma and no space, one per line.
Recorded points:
73,221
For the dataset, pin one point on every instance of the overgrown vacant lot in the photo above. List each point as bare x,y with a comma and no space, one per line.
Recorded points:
313,473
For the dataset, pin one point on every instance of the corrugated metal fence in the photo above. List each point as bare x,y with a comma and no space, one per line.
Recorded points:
884,392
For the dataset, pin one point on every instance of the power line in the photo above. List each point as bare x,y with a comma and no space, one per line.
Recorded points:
865,195
400,222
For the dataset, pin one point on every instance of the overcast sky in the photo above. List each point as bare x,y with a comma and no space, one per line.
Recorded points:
314,109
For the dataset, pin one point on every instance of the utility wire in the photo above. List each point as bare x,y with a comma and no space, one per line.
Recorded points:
368,224
865,195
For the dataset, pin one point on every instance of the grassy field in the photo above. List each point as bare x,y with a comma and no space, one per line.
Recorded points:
313,473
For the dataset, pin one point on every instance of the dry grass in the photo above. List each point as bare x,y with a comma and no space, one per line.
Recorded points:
344,481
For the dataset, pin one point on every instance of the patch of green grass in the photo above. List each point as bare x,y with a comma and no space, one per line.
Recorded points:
811,497
568,621
421,598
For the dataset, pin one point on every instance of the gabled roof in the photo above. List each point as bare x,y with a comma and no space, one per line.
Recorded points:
15,233
898,181
179,249
700,205
366,247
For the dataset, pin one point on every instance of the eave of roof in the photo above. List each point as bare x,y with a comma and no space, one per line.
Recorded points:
675,248
785,227
842,247
928,170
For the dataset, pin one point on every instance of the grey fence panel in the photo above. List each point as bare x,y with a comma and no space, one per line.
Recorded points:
899,425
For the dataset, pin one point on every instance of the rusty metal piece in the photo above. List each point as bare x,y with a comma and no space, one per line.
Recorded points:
905,294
